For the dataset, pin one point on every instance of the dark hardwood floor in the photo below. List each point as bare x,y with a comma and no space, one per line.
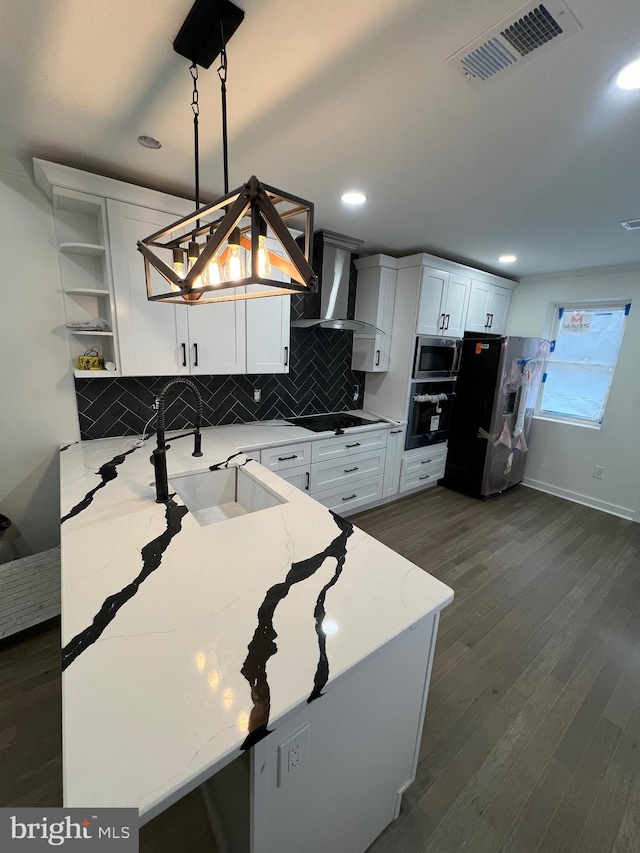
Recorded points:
531,740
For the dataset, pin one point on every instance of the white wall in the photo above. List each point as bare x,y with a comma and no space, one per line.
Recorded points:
37,399
562,456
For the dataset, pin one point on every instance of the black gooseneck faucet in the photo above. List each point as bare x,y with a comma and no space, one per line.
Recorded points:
159,455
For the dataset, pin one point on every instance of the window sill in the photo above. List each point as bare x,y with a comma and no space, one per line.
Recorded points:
569,421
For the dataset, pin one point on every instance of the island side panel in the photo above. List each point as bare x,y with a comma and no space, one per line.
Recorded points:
364,736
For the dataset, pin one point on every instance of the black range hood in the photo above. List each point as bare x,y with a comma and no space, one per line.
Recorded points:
328,308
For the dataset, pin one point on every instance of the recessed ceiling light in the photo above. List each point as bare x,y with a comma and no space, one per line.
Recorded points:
507,259
353,197
629,77
149,142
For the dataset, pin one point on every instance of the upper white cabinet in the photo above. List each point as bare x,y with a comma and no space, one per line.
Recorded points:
444,298
268,326
153,338
488,308
375,300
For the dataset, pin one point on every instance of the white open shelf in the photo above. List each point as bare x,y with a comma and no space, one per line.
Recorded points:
92,249
86,291
95,374
90,333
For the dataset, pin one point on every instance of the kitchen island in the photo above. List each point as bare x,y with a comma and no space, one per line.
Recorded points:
279,658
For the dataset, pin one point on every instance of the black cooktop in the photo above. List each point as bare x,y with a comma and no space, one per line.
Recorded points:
337,421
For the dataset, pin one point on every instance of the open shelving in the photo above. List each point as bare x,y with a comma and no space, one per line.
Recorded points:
85,269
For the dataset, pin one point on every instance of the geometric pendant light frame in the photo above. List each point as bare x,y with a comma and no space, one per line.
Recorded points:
251,208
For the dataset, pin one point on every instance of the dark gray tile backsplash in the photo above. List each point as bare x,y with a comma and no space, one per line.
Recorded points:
320,379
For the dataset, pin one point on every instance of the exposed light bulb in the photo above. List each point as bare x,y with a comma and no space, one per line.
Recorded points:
178,267
193,254
234,267
212,275
264,261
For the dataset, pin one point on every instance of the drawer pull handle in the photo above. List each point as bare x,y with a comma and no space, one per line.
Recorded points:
357,444
285,458
350,470
426,461
395,431
308,479
426,477
350,498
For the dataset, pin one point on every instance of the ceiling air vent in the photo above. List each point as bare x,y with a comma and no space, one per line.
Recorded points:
514,40
631,225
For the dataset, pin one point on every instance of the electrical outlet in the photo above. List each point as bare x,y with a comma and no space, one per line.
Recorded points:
293,754
257,395
598,472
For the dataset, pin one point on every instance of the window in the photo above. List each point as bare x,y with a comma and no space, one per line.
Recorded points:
580,367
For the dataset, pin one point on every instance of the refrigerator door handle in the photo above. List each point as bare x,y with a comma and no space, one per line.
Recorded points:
457,359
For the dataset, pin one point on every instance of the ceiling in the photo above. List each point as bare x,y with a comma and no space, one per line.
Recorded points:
326,96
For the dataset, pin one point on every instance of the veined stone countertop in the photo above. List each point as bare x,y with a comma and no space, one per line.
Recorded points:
184,644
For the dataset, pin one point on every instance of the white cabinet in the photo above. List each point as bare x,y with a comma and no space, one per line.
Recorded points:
444,298
395,449
375,300
298,477
153,338
422,467
268,326
160,339
488,308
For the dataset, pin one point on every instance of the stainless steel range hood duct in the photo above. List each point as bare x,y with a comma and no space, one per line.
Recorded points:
328,308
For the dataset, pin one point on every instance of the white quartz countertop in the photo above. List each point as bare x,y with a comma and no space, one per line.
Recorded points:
184,644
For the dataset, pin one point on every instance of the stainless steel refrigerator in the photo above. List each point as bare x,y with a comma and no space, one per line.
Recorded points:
496,393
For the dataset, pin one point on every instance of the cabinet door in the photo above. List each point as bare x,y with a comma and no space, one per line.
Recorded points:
269,326
499,309
478,311
395,449
152,336
431,313
217,338
375,304
456,305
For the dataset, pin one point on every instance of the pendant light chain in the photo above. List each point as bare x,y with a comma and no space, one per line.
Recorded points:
222,74
195,106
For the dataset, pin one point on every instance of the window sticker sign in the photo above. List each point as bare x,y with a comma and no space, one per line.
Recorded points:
35,829
577,322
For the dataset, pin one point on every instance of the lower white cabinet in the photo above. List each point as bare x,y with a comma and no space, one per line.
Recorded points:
286,456
395,449
347,498
326,475
298,477
422,467
348,444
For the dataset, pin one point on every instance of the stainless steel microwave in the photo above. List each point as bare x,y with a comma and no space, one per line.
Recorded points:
436,358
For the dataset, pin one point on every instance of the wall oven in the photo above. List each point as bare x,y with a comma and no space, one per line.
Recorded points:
430,406
436,358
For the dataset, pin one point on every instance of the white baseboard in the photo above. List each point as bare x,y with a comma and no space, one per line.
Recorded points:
576,497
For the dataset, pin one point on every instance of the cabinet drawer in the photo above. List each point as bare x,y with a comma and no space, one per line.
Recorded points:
427,456
298,477
346,499
421,479
286,456
348,445
360,466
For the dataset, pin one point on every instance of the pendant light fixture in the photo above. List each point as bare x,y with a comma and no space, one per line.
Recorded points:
215,253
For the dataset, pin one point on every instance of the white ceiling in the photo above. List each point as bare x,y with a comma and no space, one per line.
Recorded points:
325,96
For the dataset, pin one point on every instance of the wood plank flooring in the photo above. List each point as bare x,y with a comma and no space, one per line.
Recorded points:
531,739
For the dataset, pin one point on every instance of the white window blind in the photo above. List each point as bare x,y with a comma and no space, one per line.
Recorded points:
580,368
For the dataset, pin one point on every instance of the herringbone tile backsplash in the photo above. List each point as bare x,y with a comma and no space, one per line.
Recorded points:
320,379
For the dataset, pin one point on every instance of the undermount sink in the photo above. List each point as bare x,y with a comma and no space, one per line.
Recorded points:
214,496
